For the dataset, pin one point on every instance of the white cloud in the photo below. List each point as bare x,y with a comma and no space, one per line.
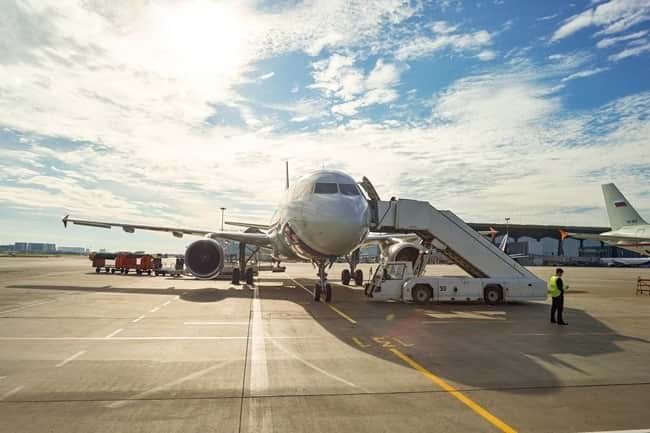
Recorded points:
266,76
631,52
547,17
139,80
486,55
614,16
423,46
584,74
339,77
443,27
608,42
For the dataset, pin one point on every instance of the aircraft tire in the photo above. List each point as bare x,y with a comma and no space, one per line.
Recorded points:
236,276
249,276
346,277
97,270
358,277
317,291
328,293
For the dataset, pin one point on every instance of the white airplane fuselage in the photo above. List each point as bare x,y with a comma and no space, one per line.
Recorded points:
639,238
322,216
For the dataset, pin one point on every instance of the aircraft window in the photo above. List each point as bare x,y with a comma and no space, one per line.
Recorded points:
394,271
326,188
348,189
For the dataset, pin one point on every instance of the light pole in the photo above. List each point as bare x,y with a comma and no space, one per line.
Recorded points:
222,211
507,222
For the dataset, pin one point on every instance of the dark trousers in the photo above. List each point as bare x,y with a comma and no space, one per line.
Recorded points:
557,305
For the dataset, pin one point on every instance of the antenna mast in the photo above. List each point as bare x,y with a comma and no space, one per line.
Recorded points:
287,173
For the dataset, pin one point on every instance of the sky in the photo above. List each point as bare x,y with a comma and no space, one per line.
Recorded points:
161,112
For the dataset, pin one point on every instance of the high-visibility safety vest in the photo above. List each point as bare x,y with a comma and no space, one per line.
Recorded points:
553,289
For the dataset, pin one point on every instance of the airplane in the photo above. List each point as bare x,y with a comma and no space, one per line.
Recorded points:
629,230
323,216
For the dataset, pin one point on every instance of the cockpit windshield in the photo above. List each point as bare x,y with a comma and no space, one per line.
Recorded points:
348,189
325,188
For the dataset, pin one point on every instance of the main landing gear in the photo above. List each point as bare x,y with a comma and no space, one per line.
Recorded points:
348,275
322,286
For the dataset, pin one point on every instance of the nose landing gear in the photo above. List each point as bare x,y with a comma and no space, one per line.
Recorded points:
322,286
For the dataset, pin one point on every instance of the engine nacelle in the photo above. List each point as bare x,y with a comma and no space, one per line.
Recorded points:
204,258
404,252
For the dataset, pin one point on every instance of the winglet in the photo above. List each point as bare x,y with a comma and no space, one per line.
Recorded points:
564,234
65,221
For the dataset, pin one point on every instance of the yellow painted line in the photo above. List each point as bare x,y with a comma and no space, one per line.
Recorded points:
453,391
403,343
342,314
332,307
359,343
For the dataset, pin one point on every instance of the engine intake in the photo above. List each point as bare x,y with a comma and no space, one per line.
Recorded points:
406,252
204,258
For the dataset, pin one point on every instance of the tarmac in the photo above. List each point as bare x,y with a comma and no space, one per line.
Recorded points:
84,352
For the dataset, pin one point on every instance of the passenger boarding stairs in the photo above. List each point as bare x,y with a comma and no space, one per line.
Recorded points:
463,245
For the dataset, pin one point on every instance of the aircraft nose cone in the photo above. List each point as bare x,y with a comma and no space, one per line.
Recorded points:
335,228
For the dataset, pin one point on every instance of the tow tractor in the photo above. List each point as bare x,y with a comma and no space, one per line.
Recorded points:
398,281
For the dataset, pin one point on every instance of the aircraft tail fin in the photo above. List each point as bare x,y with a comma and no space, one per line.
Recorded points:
619,210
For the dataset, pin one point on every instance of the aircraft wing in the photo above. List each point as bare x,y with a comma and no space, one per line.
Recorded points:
259,239
387,238
248,225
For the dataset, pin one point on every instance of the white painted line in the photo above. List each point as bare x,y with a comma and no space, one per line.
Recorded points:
114,333
259,375
137,319
73,357
645,430
145,338
166,303
300,285
3,377
215,323
331,307
153,390
563,333
318,369
33,304
153,310
10,393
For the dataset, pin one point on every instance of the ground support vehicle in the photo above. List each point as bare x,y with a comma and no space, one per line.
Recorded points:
103,261
397,281
140,263
176,270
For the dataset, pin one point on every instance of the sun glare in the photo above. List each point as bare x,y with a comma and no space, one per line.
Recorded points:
201,38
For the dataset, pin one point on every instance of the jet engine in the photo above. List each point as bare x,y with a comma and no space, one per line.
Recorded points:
404,252
204,258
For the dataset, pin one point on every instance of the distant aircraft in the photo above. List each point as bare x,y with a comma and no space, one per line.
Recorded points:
625,261
629,230
323,216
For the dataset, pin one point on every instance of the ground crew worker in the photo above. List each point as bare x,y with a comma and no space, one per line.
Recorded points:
556,288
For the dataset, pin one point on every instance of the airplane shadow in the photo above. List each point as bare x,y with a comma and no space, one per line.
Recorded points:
510,347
